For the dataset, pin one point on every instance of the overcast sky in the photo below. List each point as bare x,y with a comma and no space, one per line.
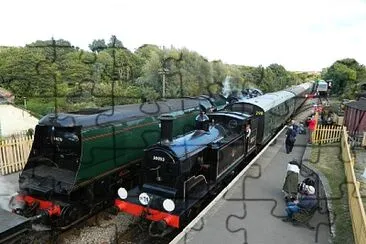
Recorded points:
301,35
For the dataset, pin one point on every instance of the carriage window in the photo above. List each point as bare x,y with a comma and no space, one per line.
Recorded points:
242,108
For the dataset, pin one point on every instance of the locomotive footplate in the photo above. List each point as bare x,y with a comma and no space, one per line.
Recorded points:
12,225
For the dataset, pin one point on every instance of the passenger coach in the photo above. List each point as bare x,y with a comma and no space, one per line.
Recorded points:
272,110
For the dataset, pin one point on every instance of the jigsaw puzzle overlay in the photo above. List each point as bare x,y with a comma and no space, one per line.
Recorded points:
245,200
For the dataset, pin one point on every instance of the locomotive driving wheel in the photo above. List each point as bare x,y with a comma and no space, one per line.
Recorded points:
69,214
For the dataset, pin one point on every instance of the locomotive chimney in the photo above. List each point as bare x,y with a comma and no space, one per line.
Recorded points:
166,130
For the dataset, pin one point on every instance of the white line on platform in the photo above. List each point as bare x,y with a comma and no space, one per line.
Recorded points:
218,197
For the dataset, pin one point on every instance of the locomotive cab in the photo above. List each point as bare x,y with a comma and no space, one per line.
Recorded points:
53,161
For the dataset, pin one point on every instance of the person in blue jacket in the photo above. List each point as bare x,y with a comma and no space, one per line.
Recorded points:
290,139
307,201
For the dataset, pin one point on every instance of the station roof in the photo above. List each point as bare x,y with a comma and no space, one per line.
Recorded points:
122,113
269,100
359,105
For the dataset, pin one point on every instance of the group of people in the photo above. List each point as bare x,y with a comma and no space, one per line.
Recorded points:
297,195
297,128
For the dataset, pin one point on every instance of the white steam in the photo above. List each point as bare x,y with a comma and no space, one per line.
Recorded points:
8,187
226,90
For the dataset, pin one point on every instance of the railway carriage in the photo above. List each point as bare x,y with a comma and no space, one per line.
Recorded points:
301,92
272,110
269,112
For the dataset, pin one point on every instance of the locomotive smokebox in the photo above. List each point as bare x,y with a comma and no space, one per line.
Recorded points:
166,130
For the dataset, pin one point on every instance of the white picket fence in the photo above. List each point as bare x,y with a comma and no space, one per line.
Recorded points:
14,153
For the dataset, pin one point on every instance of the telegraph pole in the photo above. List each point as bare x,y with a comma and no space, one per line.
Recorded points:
163,72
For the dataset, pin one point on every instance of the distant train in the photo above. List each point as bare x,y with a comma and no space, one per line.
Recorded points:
323,88
178,173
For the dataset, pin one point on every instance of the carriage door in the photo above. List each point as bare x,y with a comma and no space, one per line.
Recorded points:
252,140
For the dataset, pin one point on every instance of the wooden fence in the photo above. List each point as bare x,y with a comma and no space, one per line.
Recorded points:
357,210
14,153
327,134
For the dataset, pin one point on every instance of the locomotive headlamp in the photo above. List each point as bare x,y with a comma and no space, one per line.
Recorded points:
168,205
144,198
122,193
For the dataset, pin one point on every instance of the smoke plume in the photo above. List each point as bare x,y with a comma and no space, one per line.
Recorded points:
8,187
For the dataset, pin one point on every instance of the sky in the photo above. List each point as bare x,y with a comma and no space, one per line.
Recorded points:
305,35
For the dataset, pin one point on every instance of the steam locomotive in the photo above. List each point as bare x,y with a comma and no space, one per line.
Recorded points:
78,160
178,173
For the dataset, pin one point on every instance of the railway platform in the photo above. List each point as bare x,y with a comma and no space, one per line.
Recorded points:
252,207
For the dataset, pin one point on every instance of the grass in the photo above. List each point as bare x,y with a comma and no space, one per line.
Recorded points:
327,159
40,107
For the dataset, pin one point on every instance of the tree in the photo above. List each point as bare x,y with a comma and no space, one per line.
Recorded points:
344,76
97,45
21,71
114,42
53,49
150,80
59,43
281,76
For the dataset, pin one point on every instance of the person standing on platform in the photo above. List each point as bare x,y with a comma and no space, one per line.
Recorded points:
295,126
291,181
311,127
290,139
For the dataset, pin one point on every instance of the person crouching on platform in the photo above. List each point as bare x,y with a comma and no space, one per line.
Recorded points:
307,201
291,181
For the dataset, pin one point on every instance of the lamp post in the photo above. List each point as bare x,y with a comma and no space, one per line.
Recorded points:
25,102
163,71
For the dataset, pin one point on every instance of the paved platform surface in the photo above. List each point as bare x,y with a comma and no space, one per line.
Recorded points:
251,211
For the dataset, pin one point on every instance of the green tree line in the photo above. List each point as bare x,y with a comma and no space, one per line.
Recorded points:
54,74
348,78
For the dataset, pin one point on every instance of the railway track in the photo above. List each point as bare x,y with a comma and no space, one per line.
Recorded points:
138,233
323,100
